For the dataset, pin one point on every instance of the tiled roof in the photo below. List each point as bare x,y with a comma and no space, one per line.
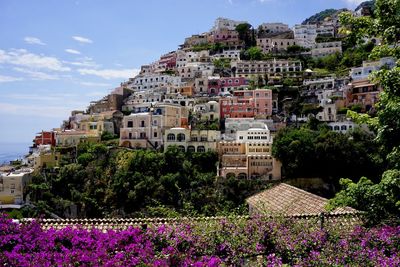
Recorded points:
284,199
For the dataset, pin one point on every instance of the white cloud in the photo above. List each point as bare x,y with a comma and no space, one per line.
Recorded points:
72,51
110,73
33,40
82,39
5,79
86,62
37,75
96,84
23,58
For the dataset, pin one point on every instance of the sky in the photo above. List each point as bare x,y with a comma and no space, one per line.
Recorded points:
58,55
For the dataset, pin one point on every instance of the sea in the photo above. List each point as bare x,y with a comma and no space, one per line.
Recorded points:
13,151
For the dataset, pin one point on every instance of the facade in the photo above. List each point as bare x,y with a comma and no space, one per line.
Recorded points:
196,39
13,186
234,125
363,93
342,126
45,138
154,81
305,35
231,54
192,140
207,111
224,23
272,68
217,85
276,27
146,129
69,138
319,84
368,67
272,44
325,49
247,104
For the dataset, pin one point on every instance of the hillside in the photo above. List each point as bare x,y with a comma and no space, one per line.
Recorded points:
320,16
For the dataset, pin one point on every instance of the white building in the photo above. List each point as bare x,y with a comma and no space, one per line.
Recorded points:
13,186
275,27
228,54
305,35
224,23
368,67
207,111
235,125
325,49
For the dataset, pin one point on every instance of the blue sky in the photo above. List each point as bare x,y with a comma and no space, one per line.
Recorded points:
58,55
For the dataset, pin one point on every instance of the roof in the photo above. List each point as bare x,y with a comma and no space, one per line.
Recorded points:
284,199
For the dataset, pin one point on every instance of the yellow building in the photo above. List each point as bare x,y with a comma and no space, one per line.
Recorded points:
73,138
48,159
13,186
192,140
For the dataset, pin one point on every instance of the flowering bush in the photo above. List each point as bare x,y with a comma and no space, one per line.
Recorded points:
227,243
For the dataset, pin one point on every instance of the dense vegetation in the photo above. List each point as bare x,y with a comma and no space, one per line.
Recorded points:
108,181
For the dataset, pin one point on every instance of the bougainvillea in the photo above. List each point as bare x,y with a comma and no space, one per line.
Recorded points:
226,243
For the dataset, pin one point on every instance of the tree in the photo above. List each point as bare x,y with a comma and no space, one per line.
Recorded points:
246,34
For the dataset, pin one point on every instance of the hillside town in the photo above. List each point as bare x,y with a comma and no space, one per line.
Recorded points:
228,90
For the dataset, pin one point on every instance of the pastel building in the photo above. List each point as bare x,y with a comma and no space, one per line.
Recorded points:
70,138
368,67
207,111
363,93
269,45
217,85
224,23
305,35
247,104
249,157
326,49
146,129
192,140
275,27
13,186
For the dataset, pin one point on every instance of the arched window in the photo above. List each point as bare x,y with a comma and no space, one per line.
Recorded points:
180,137
170,137
201,149
191,149
343,128
181,148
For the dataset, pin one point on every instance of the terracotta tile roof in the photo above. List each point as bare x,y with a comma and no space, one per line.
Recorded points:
284,199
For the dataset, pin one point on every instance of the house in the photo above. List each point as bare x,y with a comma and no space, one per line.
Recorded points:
275,44
13,186
284,199
305,35
247,104
274,27
249,156
217,85
71,138
207,111
361,73
363,93
192,140
326,49
146,129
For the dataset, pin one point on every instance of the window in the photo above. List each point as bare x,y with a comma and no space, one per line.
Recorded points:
155,134
203,138
201,149
170,137
180,137
191,149
130,124
12,186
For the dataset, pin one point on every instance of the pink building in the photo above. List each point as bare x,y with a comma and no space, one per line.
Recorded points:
247,104
225,84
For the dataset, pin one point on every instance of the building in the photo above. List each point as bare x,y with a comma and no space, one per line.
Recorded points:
368,67
231,54
113,101
275,27
13,186
224,23
326,49
363,93
247,104
342,126
286,200
154,81
234,125
305,35
271,68
71,138
45,138
207,111
146,129
274,44
250,155
195,40
217,85
192,140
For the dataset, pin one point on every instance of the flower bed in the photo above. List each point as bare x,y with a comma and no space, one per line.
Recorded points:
230,242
